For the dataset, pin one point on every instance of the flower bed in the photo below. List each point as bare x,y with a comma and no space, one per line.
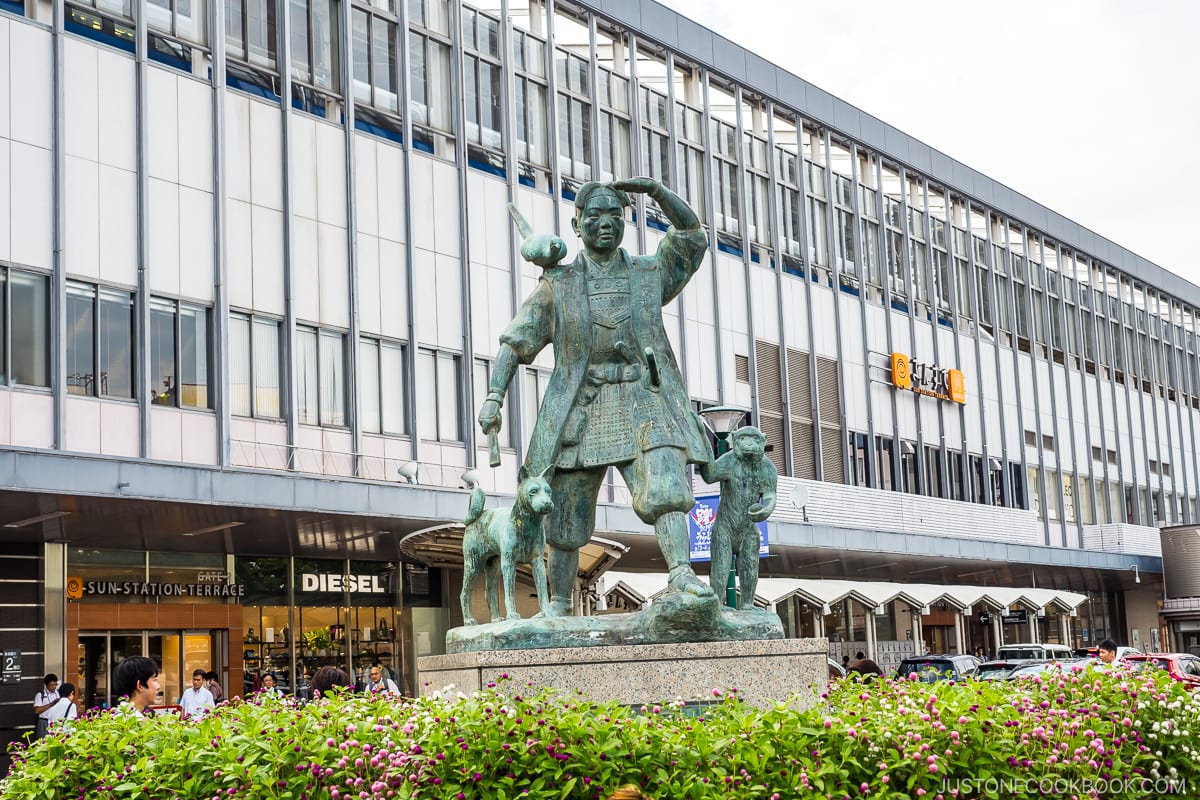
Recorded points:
1083,734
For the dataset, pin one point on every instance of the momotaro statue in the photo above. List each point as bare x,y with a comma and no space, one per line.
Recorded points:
748,480
616,398
496,540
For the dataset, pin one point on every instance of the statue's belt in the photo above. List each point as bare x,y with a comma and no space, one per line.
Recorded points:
614,373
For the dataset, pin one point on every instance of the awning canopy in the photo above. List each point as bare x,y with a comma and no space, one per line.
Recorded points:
643,587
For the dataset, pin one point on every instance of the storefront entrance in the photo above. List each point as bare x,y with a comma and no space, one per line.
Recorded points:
177,653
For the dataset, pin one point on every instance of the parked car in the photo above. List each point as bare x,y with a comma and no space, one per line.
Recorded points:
1033,651
836,670
1000,669
1045,667
1183,667
932,668
1094,652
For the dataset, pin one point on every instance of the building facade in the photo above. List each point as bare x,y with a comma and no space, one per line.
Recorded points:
249,313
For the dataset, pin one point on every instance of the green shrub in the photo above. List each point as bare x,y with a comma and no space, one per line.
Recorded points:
1085,734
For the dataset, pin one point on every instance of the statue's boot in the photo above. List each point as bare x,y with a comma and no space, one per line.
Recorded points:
672,533
562,568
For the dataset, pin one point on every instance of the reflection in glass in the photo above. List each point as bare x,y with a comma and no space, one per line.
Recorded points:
163,381
116,343
306,376
30,329
80,334
193,356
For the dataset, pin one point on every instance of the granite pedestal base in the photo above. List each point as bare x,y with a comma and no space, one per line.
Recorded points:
763,672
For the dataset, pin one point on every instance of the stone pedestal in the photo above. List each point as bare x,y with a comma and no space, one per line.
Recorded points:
762,671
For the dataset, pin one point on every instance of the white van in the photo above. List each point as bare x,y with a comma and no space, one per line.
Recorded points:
1039,652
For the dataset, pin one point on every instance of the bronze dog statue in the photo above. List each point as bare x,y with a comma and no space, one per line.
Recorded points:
496,540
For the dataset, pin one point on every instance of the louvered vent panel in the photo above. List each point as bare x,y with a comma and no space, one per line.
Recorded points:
770,386
799,386
833,451
772,428
804,454
828,391
741,368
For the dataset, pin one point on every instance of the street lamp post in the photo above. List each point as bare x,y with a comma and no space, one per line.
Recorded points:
722,421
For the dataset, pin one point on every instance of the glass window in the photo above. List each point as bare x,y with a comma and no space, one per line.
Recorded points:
314,26
186,19
113,351
29,334
163,379
116,343
368,384
254,377
306,376
437,387
250,31
429,75
193,356
392,387
239,365
267,378
333,379
178,354
81,339
375,59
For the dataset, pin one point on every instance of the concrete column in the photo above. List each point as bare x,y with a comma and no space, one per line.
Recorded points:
869,618
997,630
818,623
958,633
1064,625
1035,635
918,634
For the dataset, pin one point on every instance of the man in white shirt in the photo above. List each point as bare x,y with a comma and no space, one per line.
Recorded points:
43,701
65,708
380,684
198,700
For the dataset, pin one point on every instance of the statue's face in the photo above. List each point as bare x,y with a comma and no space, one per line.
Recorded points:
749,442
602,223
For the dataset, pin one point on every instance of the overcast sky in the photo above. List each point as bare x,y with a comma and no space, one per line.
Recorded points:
1090,108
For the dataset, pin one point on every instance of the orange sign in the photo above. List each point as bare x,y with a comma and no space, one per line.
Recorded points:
928,379
901,371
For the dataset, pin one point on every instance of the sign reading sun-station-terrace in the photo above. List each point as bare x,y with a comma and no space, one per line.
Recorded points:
928,379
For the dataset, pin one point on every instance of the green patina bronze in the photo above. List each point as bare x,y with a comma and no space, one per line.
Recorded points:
616,398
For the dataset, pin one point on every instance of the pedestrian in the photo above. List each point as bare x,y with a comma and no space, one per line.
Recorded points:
867,668
135,681
1108,652
846,661
979,653
327,678
267,687
65,708
43,701
214,686
380,683
198,700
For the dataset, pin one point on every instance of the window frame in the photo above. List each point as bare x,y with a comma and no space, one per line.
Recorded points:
96,379
177,307
253,320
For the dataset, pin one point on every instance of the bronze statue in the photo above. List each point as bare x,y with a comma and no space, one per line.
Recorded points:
748,480
496,540
616,397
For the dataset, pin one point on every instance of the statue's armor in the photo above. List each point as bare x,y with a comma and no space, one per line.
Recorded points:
616,414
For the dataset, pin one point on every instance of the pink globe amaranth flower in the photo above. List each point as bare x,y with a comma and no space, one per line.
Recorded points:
716,692
885,779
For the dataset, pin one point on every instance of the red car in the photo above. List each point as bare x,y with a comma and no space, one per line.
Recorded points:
1180,666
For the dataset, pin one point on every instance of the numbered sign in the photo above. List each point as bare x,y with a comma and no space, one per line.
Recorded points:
10,666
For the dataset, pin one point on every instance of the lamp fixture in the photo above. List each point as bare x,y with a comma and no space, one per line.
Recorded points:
723,420
410,472
21,523
1137,577
213,529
